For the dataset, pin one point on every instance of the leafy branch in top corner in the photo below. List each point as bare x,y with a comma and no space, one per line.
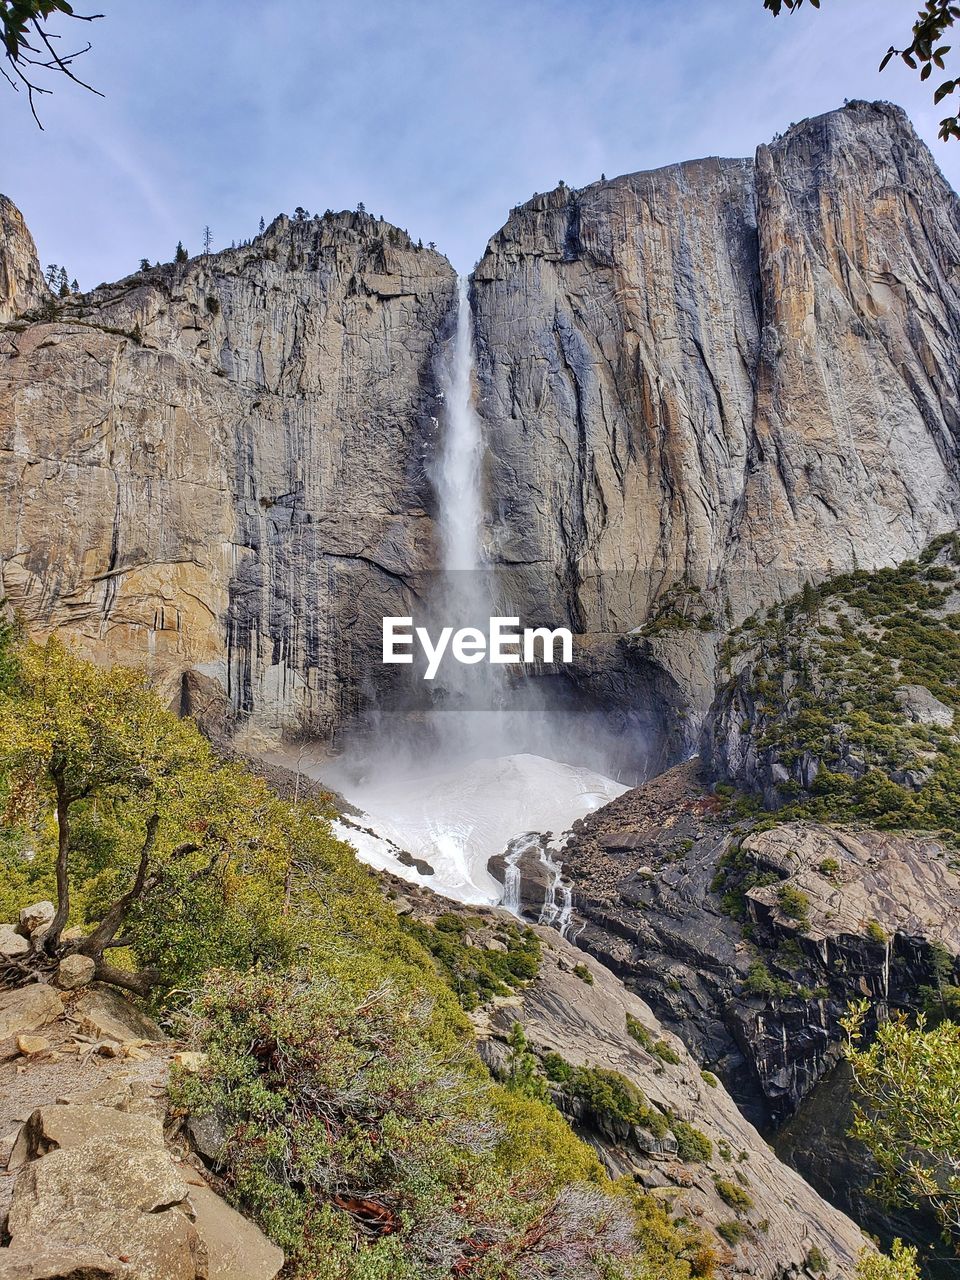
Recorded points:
30,46
924,52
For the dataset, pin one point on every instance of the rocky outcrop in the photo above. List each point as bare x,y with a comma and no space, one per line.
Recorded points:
834,690
22,285
220,466
728,374
576,1009
665,893
99,1180
750,946
26,1009
94,1188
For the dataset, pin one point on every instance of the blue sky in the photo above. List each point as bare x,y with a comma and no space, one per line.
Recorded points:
438,114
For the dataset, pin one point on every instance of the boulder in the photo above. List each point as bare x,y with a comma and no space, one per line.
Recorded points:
30,1045
37,916
105,1013
122,1198
75,971
236,1249
209,1137
27,1009
115,1091
61,1127
190,1060
37,1260
919,705
11,942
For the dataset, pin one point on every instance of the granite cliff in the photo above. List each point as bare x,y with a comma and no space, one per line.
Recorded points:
220,466
700,385
721,378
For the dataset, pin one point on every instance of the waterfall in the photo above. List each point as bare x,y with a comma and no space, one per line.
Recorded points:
459,474
449,772
511,870
468,698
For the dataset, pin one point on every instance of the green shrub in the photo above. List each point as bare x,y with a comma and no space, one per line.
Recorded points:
761,982
474,973
817,1261
733,1232
583,973
344,1125
876,933
658,1048
793,902
666,1053
900,1265
693,1146
733,1195
709,1079
639,1032
607,1094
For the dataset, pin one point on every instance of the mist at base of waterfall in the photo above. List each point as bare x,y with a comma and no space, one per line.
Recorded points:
454,818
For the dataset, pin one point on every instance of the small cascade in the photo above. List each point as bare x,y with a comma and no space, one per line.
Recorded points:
511,871
557,909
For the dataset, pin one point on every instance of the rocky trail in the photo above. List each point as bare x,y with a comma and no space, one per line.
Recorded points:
98,1181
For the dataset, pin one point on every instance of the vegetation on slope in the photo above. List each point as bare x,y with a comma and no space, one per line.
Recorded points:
361,1128
819,694
842,706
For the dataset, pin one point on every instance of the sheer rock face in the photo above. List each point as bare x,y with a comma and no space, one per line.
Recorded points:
730,374
220,466
21,281
742,373
664,884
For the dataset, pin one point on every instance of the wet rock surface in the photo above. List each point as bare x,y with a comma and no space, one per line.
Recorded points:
221,467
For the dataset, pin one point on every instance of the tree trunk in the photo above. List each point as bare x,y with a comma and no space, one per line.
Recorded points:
141,984
106,930
52,937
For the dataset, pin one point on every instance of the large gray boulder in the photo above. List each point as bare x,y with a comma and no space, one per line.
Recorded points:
12,943
236,1249
64,1127
104,1013
121,1199
38,1260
